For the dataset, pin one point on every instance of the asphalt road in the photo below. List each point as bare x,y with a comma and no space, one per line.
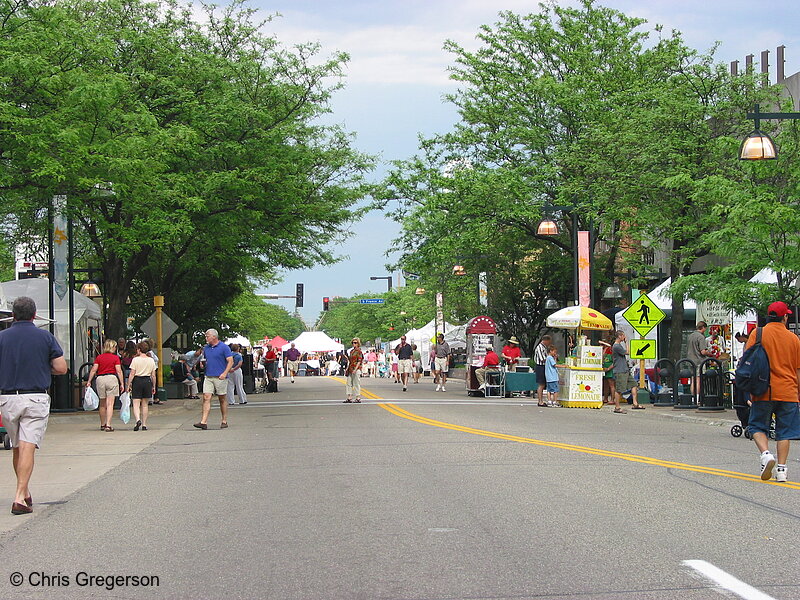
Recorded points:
422,495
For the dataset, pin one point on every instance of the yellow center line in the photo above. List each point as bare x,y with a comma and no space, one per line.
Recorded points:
656,462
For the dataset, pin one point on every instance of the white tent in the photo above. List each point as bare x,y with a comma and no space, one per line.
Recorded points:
661,298
456,336
314,341
422,338
239,339
87,313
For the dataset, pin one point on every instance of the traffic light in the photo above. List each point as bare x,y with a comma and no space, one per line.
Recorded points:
298,302
326,303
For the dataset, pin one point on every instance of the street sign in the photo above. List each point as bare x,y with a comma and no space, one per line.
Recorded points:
168,326
643,315
371,301
643,349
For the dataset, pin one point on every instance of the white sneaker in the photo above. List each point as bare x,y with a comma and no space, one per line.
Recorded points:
767,464
481,386
438,388
443,389
292,379
780,474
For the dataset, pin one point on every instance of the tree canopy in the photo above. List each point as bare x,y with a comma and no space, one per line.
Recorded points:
191,154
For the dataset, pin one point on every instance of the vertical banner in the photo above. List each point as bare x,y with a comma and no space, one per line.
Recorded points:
60,246
483,289
584,271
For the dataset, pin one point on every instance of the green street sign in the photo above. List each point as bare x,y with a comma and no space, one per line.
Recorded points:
643,349
643,315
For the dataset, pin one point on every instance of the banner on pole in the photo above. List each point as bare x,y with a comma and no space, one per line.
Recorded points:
60,281
584,264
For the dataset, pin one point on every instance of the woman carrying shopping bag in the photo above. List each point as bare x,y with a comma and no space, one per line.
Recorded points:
110,382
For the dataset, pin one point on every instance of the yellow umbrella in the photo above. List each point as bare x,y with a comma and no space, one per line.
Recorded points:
579,317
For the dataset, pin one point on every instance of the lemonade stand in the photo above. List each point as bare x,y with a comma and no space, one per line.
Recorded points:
581,377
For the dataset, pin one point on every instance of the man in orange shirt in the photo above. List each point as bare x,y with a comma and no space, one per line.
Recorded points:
783,349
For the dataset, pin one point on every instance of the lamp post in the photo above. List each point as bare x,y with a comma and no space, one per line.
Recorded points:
758,145
548,227
388,279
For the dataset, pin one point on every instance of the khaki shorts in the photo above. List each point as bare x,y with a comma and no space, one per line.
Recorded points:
441,364
405,365
25,417
215,385
293,365
107,385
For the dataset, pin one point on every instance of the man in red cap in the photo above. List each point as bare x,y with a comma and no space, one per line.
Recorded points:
781,399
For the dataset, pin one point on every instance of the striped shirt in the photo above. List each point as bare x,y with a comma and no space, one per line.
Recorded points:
540,354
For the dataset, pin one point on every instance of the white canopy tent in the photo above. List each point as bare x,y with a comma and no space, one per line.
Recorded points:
87,313
314,341
239,339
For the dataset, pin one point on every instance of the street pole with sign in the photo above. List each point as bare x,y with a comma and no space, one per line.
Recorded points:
643,315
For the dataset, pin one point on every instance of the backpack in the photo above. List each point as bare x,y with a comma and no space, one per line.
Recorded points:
752,374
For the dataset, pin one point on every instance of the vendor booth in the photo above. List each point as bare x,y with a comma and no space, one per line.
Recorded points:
481,337
581,376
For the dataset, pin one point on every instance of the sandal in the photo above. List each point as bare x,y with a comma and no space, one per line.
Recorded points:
348,401
109,428
638,407
542,404
358,400
619,411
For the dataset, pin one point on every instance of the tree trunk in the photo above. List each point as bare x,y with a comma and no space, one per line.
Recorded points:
676,324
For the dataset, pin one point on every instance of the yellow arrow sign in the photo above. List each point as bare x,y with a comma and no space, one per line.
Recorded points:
643,315
643,349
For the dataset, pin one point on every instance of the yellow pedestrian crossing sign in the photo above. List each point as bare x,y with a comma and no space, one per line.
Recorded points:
643,315
643,349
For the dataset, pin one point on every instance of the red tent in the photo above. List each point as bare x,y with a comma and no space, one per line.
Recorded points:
278,342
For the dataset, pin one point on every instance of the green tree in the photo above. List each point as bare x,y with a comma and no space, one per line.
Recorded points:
178,145
250,316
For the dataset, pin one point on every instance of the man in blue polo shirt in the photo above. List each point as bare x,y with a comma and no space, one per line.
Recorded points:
219,361
28,356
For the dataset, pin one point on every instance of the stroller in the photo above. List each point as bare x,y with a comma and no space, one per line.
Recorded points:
742,408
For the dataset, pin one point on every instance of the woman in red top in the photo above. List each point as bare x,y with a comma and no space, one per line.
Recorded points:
110,383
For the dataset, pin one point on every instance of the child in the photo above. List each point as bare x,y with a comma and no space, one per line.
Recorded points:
551,376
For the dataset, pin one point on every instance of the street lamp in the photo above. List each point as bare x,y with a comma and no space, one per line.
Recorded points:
548,227
612,292
758,145
91,290
388,279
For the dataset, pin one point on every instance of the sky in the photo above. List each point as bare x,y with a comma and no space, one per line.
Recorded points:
397,77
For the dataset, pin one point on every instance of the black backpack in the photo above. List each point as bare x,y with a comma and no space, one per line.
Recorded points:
752,374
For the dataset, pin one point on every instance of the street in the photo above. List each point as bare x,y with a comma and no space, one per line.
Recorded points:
416,495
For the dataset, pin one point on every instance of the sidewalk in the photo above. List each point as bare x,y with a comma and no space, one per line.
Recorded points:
75,452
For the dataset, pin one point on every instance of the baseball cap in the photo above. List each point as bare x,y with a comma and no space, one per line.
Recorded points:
779,309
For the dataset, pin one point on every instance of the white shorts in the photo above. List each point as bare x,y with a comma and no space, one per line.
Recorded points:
405,365
25,417
441,364
293,366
